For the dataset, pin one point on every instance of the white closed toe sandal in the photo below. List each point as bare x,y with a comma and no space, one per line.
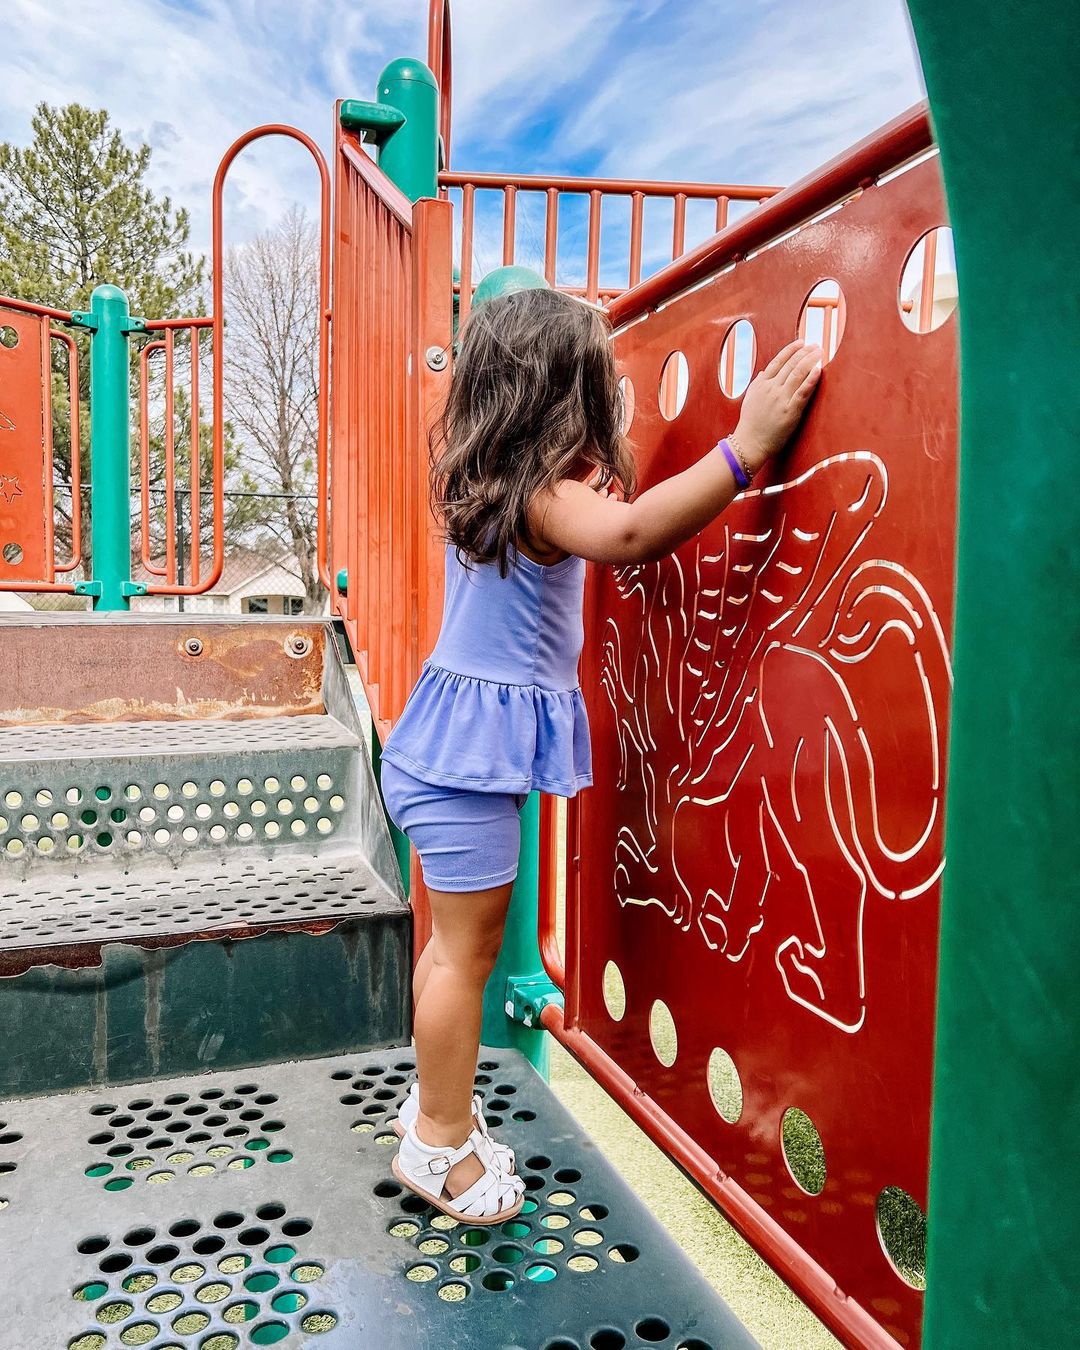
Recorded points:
493,1199
410,1111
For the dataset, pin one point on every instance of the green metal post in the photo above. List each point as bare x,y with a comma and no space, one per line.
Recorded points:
519,986
1004,1214
519,959
110,449
400,842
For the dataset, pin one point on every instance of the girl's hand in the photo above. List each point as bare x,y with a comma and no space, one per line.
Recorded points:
776,400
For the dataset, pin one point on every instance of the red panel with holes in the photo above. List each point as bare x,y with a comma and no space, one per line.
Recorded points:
761,857
23,516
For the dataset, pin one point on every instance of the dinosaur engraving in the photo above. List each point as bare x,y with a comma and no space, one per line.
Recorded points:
766,783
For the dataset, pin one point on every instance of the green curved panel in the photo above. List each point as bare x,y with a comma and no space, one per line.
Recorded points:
1004,1259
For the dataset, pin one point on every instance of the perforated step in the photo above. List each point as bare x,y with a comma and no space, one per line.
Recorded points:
108,792
127,740
237,896
259,1208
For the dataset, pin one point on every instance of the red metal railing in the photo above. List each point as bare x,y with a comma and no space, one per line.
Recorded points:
167,569
593,258
392,275
762,879
28,510
440,62
26,560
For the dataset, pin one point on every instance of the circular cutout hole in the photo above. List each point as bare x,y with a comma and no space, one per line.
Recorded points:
13,554
674,385
662,1034
508,1254
540,1272
624,1253
269,1333
454,1292
614,992
901,1226
498,1281
607,1338
9,338
421,1274
928,289
262,1281
804,1152
725,1086
738,353
652,1329
627,403
582,1264
823,318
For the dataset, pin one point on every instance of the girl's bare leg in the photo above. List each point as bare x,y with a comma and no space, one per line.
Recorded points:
468,930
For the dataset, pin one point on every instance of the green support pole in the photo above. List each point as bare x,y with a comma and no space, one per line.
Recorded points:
110,449
519,966
1004,1214
519,986
400,842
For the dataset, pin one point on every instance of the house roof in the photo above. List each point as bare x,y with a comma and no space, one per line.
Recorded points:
242,566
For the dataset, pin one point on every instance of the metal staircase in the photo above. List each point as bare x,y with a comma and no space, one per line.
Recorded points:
204,972
187,892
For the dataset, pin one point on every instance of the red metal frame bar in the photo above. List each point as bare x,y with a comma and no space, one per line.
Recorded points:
596,189
76,466
46,315
215,324
440,62
898,141
843,1316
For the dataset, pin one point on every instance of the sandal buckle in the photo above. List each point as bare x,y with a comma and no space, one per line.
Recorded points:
440,1166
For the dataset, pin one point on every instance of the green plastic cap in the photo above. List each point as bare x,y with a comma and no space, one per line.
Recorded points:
406,69
507,280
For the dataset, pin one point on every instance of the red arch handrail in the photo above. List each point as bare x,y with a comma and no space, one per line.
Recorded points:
216,323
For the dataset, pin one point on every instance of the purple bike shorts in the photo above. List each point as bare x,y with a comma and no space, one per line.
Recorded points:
467,841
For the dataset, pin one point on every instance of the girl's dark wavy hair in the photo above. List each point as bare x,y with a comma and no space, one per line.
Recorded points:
534,399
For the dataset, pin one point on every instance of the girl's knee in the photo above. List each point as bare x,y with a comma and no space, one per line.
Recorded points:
474,956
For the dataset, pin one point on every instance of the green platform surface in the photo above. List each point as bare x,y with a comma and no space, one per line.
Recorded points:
257,1207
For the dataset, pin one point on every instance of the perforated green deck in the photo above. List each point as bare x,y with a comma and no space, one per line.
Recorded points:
257,1207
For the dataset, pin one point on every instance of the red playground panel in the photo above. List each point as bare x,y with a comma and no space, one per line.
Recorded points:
771,703
25,512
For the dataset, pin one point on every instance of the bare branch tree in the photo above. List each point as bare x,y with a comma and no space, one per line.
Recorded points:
272,383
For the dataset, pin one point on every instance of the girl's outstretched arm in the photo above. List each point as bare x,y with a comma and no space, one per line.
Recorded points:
576,519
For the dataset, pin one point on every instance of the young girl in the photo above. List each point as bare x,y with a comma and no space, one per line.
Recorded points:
528,446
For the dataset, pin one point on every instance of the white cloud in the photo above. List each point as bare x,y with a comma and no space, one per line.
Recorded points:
762,93
667,88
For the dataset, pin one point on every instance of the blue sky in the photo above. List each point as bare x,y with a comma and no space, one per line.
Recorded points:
761,90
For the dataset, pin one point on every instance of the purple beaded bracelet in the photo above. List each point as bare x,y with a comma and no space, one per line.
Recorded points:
736,467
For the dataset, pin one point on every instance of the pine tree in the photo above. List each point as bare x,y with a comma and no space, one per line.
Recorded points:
75,211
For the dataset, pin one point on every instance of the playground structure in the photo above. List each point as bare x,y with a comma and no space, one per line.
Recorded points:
752,900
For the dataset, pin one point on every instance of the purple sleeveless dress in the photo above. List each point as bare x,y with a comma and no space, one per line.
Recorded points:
498,707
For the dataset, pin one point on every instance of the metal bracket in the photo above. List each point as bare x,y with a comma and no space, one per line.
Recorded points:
375,120
82,318
527,996
135,328
88,587
133,588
